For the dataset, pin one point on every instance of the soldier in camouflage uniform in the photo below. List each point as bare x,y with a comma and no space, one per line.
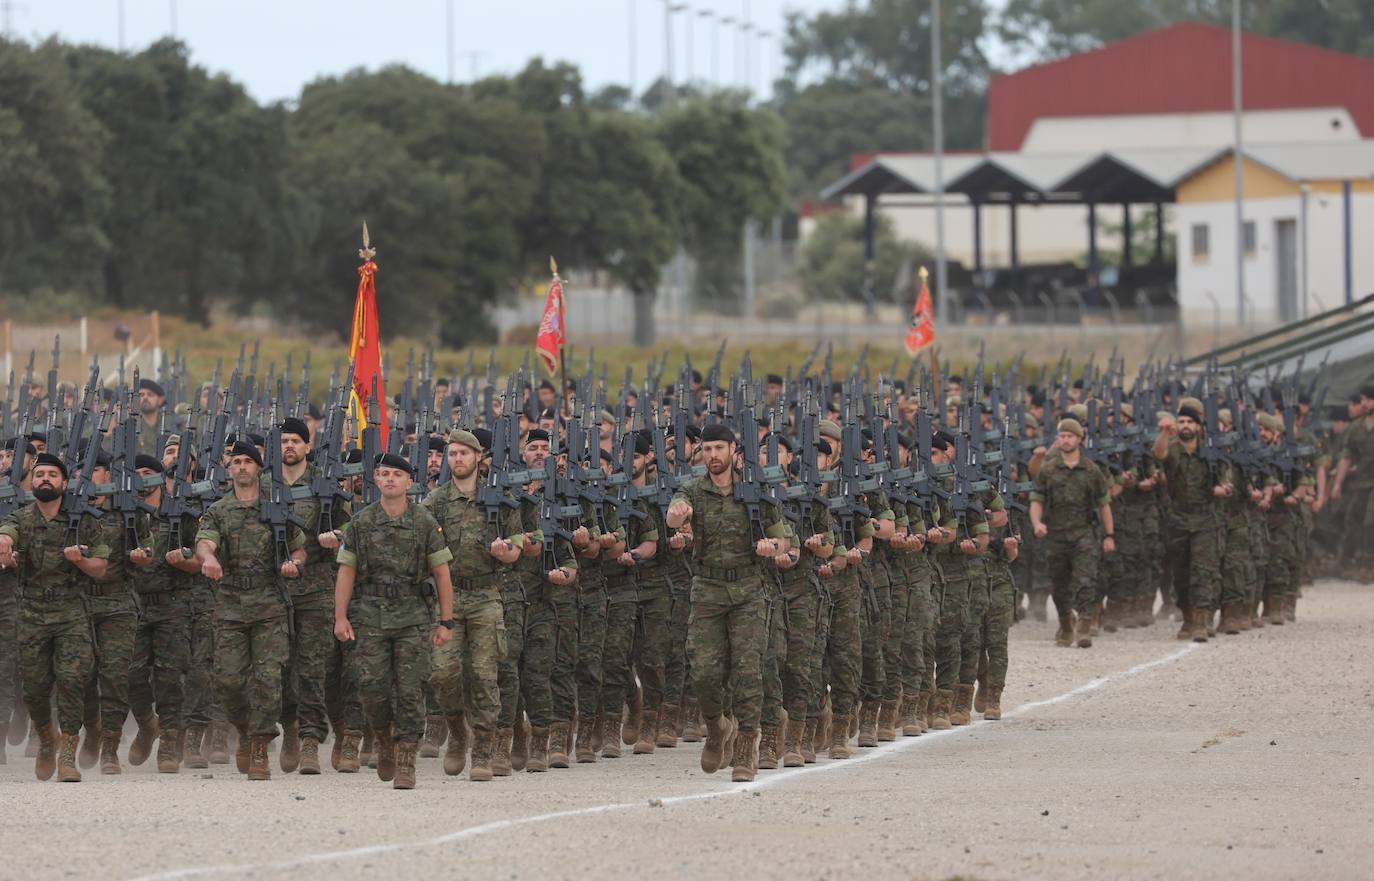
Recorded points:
1070,500
597,535
1136,517
1282,500
910,563
726,633
465,671
1237,555
1354,488
54,631
382,600
677,691
981,600
880,650
252,646
10,692
152,398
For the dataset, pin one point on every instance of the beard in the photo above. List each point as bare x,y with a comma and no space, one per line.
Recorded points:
717,466
464,473
47,493
1187,434
245,479
147,408
291,457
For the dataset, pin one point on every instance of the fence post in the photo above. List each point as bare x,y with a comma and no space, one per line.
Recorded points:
85,330
1019,307
9,347
1116,310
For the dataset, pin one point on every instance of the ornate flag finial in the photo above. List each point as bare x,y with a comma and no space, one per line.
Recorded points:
367,252
553,265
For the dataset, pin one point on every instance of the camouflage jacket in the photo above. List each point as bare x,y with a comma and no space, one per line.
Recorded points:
1071,496
49,586
464,526
723,536
1191,503
393,558
319,571
157,576
243,542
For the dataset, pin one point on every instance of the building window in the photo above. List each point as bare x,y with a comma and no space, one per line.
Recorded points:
1202,245
1248,235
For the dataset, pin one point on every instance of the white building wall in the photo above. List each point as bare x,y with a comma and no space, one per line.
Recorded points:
1127,131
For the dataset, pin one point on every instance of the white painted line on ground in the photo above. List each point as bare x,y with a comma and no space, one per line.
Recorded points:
729,789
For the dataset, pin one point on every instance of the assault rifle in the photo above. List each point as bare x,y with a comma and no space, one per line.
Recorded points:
275,511
177,503
81,488
327,487
127,498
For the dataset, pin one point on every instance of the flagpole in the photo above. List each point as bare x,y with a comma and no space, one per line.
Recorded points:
562,355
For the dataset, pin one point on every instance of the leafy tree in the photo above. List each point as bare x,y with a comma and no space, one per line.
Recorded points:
833,259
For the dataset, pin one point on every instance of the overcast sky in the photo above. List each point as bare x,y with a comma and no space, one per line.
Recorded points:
276,46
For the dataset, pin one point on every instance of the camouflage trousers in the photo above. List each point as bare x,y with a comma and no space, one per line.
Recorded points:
957,583
897,610
202,700
464,672
622,614
874,627
774,654
726,635
393,664
675,666
162,657
312,653
60,656
9,650
1194,555
114,622
524,673
918,627
975,620
1236,559
997,621
818,661
1259,555
1282,572
562,654
341,698
591,644
1072,562
841,661
1359,523
653,637
249,659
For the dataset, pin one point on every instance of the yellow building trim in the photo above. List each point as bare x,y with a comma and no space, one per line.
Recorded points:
1217,183
1334,186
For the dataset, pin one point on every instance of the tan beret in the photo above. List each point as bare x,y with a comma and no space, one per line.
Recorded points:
1269,421
1128,410
1071,425
466,438
1224,415
1079,412
830,429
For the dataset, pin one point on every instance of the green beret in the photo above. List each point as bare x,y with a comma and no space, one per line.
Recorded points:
466,438
1080,413
1032,422
830,429
1071,425
1269,421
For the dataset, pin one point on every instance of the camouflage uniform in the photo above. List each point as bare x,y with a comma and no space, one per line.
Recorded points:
622,613
1137,532
1194,549
591,620
114,613
54,630
9,648
203,705
391,615
957,571
652,637
162,644
841,661
971,644
919,618
725,634
1357,492
1071,499
252,647
465,671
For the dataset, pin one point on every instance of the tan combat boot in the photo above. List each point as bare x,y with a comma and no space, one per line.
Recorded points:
142,745
384,745
582,750
648,733
610,737
167,761
939,714
456,755
1290,608
980,698
560,737
310,756
1200,617
792,744
993,710
1185,630
67,771
520,743
713,751
1084,632
217,753
868,724
839,736
350,753
290,755
808,741
744,760
768,748
1243,615
727,748
1273,609
667,727
195,739
31,748
46,760
962,712
109,752
634,710
500,753
906,715
1230,623
243,752
405,765
925,712
537,761
887,720
692,729
480,769
260,762
434,737
1063,637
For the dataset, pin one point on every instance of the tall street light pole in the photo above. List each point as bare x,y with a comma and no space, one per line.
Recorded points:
1236,84
938,106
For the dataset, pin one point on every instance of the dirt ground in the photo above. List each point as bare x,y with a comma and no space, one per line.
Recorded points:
1250,757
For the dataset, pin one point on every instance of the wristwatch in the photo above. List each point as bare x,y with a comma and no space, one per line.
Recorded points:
447,622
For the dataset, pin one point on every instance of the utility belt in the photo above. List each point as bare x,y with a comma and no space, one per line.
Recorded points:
110,589
391,589
159,597
479,582
625,579
725,573
248,580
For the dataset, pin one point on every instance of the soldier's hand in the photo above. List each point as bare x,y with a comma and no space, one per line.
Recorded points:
329,540
625,559
532,547
1317,506
1039,451
1011,548
559,576
1291,501
854,555
1336,492
968,546
1041,530
442,635
500,547
1264,505
935,534
1219,492
1169,428
607,540
1256,495
915,541
140,556
1145,485
815,543
174,556
581,537
768,547
679,541
290,569
72,554
6,552
825,570
1109,545
211,569
343,630
837,564
784,561
680,511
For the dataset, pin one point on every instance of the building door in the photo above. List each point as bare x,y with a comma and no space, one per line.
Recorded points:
1286,249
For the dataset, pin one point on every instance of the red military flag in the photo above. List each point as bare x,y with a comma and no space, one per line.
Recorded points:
920,331
365,345
549,344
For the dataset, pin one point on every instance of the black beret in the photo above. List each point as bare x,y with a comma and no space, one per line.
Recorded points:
314,412
353,456
545,384
257,440
50,459
244,448
151,386
1191,412
642,445
441,381
717,432
1367,391
942,440
783,440
143,460
823,446
437,443
693,433
391,460
292,425
42,436
606,456
696,376
774,379
535,434
483,436
28,448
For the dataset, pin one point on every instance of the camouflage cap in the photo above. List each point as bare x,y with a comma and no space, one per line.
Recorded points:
466,438
1079,412
607,416
1071,425
1192,408
1269,421
830,429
